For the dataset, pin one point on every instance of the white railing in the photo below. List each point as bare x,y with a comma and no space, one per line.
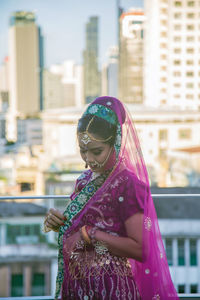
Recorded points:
46,197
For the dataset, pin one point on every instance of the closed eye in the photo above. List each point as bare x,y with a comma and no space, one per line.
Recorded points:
96,152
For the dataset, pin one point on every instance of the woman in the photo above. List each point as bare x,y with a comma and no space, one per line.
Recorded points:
109,240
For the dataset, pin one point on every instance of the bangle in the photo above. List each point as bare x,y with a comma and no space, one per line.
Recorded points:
91,231
85,235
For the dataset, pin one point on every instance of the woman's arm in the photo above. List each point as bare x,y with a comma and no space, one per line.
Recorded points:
131,246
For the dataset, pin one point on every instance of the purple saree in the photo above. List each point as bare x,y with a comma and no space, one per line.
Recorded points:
107,201
94,272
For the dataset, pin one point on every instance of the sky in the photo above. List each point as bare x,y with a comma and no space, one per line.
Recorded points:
63,25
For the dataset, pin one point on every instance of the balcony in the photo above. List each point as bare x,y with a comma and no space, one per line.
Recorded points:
51,199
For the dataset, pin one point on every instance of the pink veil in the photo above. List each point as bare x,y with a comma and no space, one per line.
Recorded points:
152,276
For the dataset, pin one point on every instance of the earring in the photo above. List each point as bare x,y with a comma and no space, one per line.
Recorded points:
86,165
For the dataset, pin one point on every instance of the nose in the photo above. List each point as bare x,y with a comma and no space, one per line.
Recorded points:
89,157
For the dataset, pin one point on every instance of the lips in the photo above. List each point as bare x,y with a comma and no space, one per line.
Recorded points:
93,166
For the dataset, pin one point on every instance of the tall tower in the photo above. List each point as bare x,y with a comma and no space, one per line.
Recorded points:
112,71
26,62
172,51
90,61
131,57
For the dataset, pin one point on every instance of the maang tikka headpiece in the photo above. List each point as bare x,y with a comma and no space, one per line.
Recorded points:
87,137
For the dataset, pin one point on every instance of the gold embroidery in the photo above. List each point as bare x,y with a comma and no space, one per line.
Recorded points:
86,263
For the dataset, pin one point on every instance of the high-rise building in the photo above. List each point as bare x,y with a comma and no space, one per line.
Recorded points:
63,85
90,59
112,71
26,63
131,56
4,85
109,73
172,64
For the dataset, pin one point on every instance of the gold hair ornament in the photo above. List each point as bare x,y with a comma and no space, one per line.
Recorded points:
87,137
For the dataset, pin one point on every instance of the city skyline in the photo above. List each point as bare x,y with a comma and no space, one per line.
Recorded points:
60,47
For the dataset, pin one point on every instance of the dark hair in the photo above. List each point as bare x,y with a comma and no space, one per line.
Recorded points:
102,128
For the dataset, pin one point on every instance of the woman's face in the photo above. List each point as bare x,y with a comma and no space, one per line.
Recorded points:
94,152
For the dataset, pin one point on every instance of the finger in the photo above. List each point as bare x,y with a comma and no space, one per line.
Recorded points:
57,213
54,228
52,222
56,220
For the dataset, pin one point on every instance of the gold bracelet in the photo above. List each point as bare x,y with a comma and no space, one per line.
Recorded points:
85,235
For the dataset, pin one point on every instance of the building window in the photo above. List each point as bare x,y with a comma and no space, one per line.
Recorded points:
177,62
177,26
190,50
162,153
190,27
177,3
193,252
190,3
177,74
177,96
23,234
181,252
163,79
163,45
163,101
26,186
184,134
190,38
163,56
190,16
163,68
16,285
189,85
168,243
163,11
189,62
164,22
163,34
163,134
38,284
177,38
189,96
177,85
181,288
177,15
177,50
194,288
189,74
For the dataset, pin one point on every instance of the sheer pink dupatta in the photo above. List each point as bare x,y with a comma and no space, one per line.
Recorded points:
152,276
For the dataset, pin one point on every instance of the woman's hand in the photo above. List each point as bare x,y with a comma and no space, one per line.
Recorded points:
72,243
54,219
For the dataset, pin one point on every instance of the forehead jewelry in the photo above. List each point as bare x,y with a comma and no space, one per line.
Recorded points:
87,137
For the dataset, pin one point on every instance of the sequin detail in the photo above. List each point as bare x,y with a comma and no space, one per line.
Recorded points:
156,297
148,223
84,264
